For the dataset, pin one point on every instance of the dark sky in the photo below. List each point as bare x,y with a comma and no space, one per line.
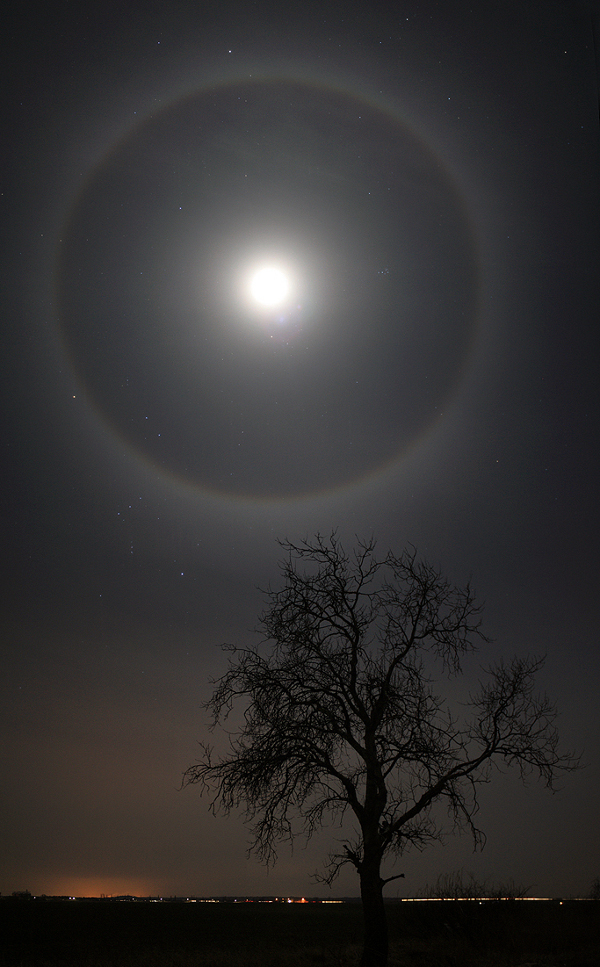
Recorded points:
427,176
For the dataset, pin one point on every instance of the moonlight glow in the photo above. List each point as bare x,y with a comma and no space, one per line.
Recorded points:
269,286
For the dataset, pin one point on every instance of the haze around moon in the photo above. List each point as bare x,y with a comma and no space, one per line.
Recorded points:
243,270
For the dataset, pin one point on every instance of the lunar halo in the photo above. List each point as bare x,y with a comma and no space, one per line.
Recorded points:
324,456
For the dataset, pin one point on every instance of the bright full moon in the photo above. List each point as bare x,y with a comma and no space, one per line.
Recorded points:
269,286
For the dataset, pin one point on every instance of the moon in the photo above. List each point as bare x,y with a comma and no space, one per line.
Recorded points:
269,286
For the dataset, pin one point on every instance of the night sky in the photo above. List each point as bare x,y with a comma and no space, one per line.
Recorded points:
425,176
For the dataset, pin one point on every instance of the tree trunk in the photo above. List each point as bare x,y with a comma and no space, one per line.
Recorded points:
375,949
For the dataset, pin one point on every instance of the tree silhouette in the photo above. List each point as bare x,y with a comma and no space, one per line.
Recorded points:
340,718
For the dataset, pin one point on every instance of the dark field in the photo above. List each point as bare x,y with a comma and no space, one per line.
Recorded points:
442,934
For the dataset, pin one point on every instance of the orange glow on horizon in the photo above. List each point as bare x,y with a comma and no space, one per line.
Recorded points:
81,886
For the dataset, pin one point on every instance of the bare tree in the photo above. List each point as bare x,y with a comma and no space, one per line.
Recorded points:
341,720
460,885
594,893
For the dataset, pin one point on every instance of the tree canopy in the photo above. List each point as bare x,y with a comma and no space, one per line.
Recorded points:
342,718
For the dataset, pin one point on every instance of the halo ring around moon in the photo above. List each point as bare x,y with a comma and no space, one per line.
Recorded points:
305,404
